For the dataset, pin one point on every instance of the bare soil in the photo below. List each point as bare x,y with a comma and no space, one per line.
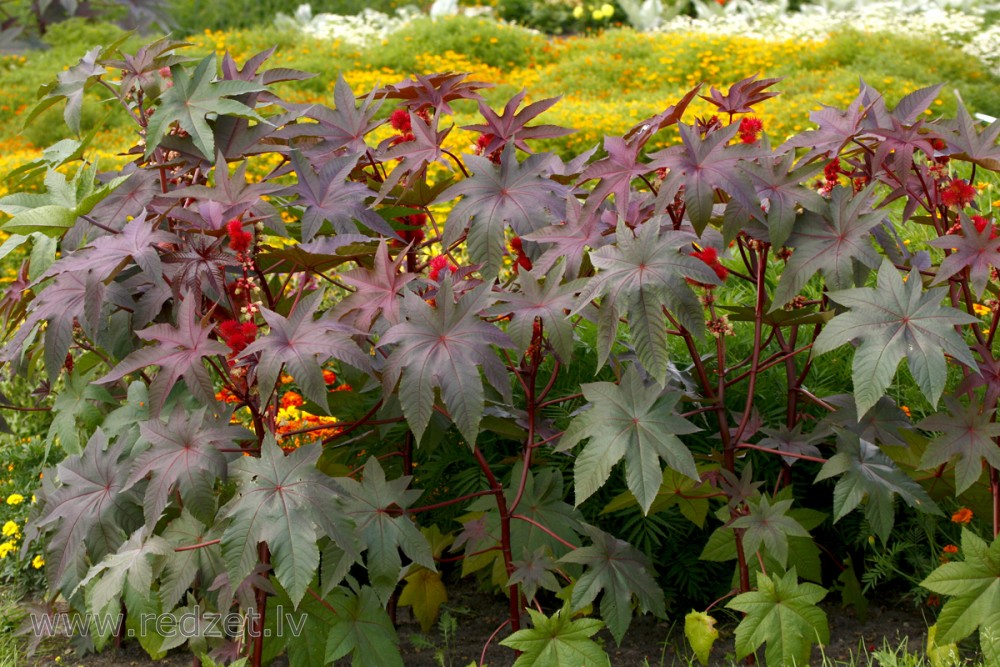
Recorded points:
649,640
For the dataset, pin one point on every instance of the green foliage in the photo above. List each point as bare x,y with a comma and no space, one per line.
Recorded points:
558,641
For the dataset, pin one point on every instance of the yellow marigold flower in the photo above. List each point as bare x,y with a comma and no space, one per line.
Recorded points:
37,562
607,10
578,12
6,548
964,515
11,529
597,15
15,499
981,310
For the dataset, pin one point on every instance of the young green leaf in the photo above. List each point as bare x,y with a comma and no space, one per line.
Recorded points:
701,633
974,586
363,629
781,613
770,526
558,641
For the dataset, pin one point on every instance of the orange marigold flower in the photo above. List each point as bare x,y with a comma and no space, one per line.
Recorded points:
291,398
285,378
950,549
906,410
329,377
964,515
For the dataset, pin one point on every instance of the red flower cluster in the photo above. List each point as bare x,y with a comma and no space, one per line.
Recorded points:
980,222
521,261
400,121
239,240
415,236
958,193
750,129
710,256
329,377
237,335
439,264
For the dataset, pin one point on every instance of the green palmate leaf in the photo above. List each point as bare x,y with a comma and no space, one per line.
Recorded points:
287,503
383,534
869,473
644,274
558,641
974,587
966,433
515,194
770,526
832,239
443,347
182,568
70,86
363,629
783,614
633,422
896,319
622,572
301,344
424,592
194,97
779,185
131,564
701,633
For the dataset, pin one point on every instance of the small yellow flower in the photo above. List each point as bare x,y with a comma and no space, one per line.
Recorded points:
11,529
6,548
15,499
597,15
10,467
607,10
981,310
37,562
578,12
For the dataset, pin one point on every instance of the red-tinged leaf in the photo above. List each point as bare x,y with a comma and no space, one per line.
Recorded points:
289,504
832,239
137,242
443,347
974,249
434,91
147,61
515,194
966,433
511,127
836,129
300,345
183,454
794,441
988,376
617,171
742,95
642,131
343,127
965,142
778,185
415,155
179,352
329,196
377,291
89,514
570,240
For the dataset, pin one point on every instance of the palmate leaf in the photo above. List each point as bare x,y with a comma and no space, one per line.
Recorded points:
616,172
443,347
866,472
967,433
836,129
688,495
179,352
534,570
434,91
972,249
383,534
515,194
974,587
793,440
742,95
329,196
192,99
622,572
549,301
778,184
893,320
130,564
568,241
287,503
783,614
183,453
182,568
363,629
558,641
510,127
646,273
424,593
769,525
633,422
377,290
89,514
832,239
966,143
300,345
345,126
70,85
